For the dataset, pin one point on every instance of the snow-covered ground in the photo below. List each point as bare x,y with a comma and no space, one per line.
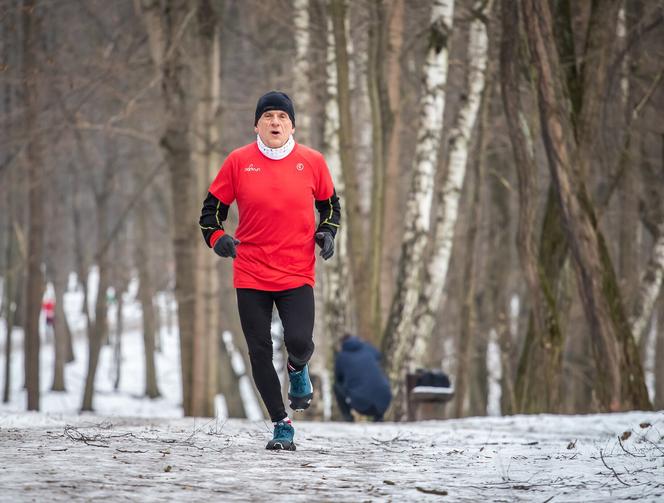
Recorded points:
138,449
522,458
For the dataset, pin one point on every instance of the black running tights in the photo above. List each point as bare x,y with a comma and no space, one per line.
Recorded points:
296,310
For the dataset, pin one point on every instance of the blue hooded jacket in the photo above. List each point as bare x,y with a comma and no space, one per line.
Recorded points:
358,372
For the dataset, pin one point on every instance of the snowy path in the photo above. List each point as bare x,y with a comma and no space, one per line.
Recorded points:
520,458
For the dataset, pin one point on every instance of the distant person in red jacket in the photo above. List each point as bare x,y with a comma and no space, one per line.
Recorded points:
48,306
275,182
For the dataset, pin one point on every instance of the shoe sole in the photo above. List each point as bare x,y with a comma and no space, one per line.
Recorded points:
280,445
300,403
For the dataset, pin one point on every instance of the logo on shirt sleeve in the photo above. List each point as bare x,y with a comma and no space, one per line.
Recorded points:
252,168
299,166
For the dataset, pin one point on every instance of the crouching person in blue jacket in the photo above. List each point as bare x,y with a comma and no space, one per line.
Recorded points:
360,383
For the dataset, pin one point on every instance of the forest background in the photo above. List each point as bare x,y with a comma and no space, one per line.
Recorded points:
500,166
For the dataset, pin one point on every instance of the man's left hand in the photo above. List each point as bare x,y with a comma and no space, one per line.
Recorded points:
326,242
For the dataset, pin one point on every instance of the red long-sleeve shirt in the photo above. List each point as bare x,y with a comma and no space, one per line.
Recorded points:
275,200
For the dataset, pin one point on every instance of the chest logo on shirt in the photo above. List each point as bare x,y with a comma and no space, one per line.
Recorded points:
299,166
252,168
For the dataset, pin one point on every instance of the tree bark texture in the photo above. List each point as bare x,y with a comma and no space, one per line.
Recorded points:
58,267
14,264
393,219
35,168
397,340
379,121
652,216
206,159
146,295
301,74
10,292
60,330
98,332
337,289
620,384
351,201
467,360
449,191
541,363
229,383
169,27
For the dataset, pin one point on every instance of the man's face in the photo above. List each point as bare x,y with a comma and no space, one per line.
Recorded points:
274,127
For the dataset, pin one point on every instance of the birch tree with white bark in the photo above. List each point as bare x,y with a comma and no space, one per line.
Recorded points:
449,193
652,216
398,338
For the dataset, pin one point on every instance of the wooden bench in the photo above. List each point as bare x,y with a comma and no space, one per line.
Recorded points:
426,402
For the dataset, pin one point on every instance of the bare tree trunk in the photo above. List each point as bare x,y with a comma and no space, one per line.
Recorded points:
650,288
34,165
379,122
99,329
466,359
448,193
301,74
628,235
12,273
397,340
67,334
79,255
58,267
351,201
336,285
248,394
60,336
151,387
9,324
146,294
478,387
652,216
206,155
498,294
541,364
629,232
393,136
338,290
122,251
10,292
117,340
620,384
229,382
168,28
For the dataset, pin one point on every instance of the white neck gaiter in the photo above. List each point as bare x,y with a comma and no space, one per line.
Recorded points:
276,153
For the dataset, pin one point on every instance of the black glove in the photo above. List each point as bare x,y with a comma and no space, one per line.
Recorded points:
225,246
326,242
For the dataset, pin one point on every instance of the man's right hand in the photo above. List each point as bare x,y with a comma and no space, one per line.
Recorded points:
225,246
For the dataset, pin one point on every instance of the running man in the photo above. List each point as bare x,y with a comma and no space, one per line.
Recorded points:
275,183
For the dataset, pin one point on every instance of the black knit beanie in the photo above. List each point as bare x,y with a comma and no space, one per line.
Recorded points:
274,100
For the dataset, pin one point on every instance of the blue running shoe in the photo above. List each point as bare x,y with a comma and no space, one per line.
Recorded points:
300,391
282,439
